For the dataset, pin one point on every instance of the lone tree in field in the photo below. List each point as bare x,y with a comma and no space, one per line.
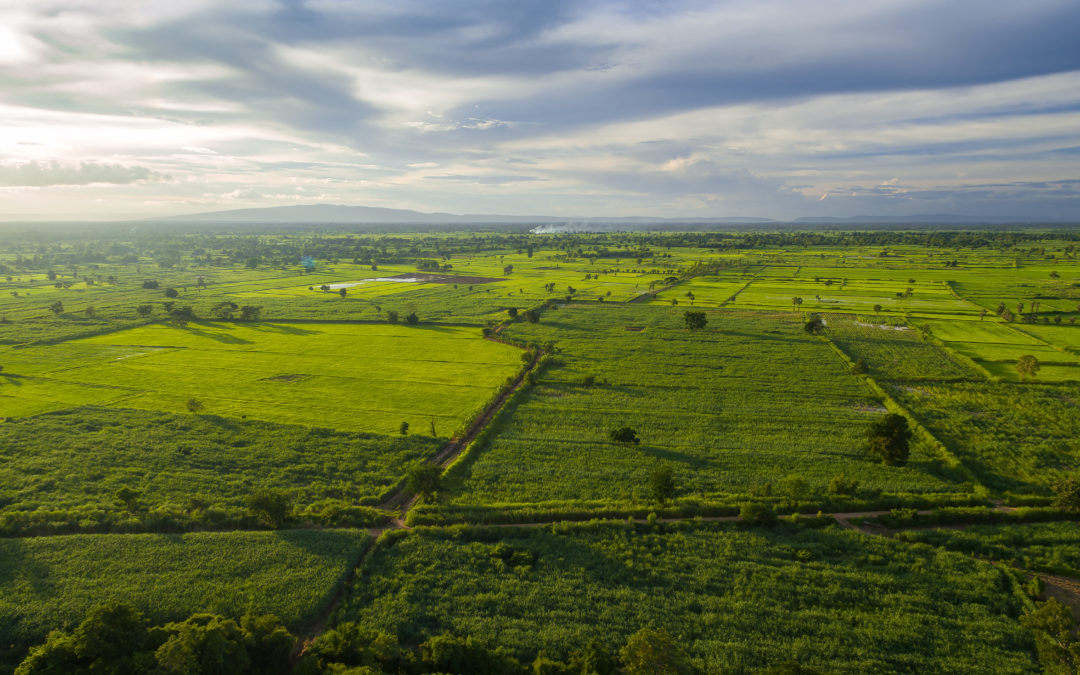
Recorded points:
814,326
889,439
180,316
653,651
1067,491
1055,636
1028,366
424,479
272,506
695,320
624,435
128,498
662,484
194,405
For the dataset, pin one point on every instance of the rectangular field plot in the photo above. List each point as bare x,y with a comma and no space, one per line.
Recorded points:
862,296
708,291
1012,436
349,377
735,600
53,582
67,466
749,399
997,346
894,351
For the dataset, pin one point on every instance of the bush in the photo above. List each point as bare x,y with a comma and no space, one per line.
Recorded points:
889,439
624,435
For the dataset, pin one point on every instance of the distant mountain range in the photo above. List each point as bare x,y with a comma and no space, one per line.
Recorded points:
341,214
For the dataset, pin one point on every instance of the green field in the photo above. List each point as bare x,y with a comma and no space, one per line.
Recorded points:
295,425
736,600
51,582
65,467
344,376
748,400
1011,436
1043,547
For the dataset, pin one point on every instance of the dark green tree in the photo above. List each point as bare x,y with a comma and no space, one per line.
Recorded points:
424,479
624,434
695,320
1067,493
1055,637
128,498
653,651
1027,366
889,439
662,484
272,506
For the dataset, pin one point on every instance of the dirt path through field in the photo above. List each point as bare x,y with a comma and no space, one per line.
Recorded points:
404,500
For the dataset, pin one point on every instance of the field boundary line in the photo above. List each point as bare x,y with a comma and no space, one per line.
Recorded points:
401,498
733,296
891,404
1040,340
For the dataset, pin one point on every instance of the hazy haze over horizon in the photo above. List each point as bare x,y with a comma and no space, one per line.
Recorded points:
775,108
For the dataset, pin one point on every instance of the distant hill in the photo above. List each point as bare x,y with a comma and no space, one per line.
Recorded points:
338,213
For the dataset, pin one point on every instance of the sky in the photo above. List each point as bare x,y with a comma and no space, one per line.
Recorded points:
119,109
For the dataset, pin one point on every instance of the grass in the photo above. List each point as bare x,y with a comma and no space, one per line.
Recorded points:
1043,547
343,376
79,458
52,582
737,600
1018,437
748,400
894,350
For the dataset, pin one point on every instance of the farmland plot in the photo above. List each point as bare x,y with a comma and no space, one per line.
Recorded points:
350,377
736,600
52,582
748,400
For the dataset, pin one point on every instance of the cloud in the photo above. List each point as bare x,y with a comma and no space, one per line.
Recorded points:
688,106
45,174
484,179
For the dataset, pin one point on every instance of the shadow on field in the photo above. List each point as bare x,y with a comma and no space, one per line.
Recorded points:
20,567
289,330
673,455
227,339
